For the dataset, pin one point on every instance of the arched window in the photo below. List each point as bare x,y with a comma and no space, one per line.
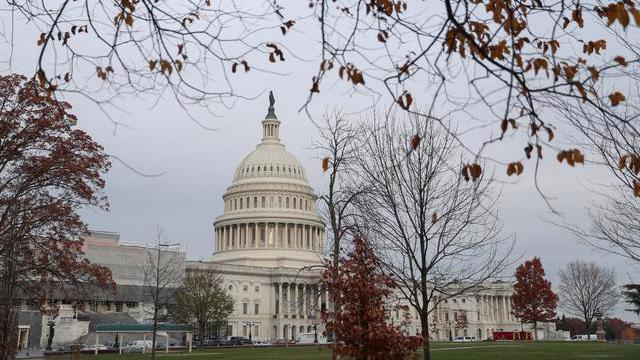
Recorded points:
270,201
255,202
235,204
263,202
248,203
286,202
294,202
279,201
241,203
306,205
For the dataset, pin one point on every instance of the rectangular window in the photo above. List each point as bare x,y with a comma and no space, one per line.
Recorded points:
256,309
118,306
245,308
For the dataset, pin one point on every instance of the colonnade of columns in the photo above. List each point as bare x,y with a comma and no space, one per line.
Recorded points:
269,235
496,308
294,302
298,300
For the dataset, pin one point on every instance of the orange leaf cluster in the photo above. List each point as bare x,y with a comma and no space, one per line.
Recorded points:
405,100
244,63
621,12
325,164
471,172
515,168
573,156
353,74
616,98
275,52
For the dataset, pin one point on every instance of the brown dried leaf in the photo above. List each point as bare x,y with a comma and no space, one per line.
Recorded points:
616,98
415,141
325,164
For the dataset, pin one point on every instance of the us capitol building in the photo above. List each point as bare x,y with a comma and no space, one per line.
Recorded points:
268,245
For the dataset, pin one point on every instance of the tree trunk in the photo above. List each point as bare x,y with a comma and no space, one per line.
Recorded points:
426,342
155,331
201,335
535,330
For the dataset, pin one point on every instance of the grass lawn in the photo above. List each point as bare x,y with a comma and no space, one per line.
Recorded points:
449,351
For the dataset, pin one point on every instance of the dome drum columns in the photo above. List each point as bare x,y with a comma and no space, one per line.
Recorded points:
269,235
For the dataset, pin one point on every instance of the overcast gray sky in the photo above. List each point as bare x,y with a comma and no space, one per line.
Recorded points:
196,165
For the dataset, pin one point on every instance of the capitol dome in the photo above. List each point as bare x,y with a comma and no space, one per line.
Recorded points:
270,216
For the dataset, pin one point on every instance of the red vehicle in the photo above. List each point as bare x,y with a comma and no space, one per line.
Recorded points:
512,336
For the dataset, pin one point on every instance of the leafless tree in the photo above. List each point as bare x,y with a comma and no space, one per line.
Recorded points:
338,138
163,273
125,48
336,146
614,144
587,290
437,233
507,70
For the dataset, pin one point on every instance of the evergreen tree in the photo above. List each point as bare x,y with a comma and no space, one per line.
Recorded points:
631,293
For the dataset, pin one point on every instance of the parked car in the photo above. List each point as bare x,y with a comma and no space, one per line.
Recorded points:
212,342
284,342
262,343
239,340
101,347
464,339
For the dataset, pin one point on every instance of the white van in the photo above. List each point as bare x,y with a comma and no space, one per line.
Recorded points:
139,344
592,337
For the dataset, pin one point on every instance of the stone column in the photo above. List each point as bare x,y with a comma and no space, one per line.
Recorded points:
286,302
255,235
304,300
504,308
279,306
276,237
295,236
226,237
246,236
217,238
285,236
236,236
490,303
292,302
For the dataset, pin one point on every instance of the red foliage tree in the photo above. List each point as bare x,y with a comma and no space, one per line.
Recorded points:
48,171
533,300
461,321
359,325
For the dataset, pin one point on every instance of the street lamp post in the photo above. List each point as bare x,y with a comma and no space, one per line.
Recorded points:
250,326
315,333
52,328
